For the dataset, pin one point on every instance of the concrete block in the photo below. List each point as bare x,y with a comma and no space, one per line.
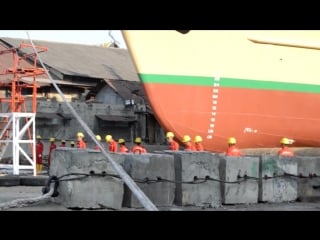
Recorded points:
309,185
233,169
189,165
278,189
90,192
150,166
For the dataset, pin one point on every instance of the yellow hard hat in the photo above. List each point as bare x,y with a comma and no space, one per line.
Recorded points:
72,142
38,137
98,137
186,138
170,134
52,139
121,140
63,141
138,140
285,141
80,134
108,138
232,140
197,139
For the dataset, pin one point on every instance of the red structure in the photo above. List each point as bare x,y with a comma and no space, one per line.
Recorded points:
13,101
17,101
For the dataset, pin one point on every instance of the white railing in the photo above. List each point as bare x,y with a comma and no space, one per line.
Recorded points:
17,138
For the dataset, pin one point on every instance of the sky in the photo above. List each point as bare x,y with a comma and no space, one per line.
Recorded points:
90,37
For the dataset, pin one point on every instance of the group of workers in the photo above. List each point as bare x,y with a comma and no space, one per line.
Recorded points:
138,148
196,145
232,149
113,145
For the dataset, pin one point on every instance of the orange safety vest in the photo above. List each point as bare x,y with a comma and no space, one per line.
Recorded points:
233,151
198,146
39,151
52,147
137,149
113,146
81,144
285,151
173,145
123,149
189,147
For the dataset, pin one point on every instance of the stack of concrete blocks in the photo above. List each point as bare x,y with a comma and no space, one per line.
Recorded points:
309,183
233,169
278,189
93,192
150,166
197,165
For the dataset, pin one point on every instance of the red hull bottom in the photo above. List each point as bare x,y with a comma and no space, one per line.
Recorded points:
256,118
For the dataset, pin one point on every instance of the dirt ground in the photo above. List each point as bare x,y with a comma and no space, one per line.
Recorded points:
8,194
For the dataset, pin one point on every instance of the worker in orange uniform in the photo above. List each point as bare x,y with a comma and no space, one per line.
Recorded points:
138,148
285,150
63,143
98,137
123,148
39,152
198,143
80,142
232,149
173,145
51,148
112,144
188,145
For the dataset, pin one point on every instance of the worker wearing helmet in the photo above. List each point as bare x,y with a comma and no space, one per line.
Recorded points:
285,150
232,149
112,144
51,148
72,144
80,141
173,145
198,143
188,145
63,143
123,148
39,152
138,148
98,137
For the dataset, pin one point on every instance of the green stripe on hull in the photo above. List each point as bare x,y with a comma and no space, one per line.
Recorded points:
229,82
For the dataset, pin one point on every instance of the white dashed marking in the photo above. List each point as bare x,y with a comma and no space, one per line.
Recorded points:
215,96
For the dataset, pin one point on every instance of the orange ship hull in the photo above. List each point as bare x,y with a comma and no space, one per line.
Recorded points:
257,109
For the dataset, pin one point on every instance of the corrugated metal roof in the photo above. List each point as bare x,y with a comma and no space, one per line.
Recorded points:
46,82
128,90
84,60
6,62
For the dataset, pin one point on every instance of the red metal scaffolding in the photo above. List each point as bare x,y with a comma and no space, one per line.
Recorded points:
13,102
16,102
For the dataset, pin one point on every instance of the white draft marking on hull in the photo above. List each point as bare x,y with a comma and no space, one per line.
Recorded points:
215,96
249,130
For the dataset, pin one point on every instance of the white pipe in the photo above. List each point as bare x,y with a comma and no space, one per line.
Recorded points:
143,199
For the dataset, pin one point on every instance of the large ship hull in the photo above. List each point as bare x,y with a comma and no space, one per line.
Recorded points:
257,86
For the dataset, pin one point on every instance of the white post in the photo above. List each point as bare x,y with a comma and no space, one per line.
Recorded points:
15,144
34,162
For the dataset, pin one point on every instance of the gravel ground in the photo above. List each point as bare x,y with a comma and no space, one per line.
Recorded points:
8,194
